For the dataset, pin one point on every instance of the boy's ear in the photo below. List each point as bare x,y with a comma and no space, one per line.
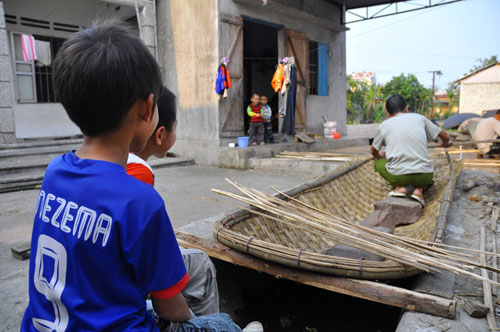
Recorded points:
406,109
159,135
146,111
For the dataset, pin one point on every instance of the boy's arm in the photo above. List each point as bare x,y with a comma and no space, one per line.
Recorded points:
251,113
174,308
445,138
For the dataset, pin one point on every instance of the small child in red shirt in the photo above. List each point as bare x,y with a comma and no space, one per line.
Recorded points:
256,129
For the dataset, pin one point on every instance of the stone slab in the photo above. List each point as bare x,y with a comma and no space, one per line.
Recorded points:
404,211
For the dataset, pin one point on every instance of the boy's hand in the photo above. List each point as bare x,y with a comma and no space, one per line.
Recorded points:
381,154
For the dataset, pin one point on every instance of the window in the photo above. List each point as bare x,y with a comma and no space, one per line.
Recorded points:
318,68
33,82
43,74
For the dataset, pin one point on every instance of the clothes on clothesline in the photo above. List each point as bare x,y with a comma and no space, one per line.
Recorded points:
28,46
289,121
43,52
285,81
223,80
278,78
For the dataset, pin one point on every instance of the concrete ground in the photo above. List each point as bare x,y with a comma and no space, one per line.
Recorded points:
190,204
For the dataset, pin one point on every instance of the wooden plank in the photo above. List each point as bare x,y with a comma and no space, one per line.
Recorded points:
363,289
494,218
297,45
488,301
304,138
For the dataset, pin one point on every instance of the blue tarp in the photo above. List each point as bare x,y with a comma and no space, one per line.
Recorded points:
456,119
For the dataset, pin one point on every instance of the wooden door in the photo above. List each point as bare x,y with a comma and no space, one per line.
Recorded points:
297,45
231,122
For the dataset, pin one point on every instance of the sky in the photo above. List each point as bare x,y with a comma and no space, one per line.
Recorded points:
448,38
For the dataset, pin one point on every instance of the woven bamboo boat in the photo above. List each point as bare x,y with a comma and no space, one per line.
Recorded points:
347,193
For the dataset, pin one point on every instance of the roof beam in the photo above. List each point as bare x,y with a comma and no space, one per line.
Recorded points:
383,12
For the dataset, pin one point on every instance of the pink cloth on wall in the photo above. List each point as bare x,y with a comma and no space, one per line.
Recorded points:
28,45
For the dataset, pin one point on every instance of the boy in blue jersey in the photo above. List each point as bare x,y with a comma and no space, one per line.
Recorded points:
102,240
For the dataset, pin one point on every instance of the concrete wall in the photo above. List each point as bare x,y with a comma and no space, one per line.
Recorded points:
188,54
43,120
477,98
318,19
7,124
38,120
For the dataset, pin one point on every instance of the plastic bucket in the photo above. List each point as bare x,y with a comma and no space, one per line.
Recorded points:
243,142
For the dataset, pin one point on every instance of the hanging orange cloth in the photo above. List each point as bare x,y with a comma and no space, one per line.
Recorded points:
277,81
227,81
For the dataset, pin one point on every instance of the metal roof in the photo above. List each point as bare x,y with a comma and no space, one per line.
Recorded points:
353,4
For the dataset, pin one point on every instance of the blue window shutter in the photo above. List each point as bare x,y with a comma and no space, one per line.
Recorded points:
323,69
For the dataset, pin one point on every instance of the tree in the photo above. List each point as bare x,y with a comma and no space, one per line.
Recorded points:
416,95
453,93
483,63
363,100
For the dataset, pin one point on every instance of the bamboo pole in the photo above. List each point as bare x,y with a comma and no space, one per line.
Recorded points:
363,289
486,286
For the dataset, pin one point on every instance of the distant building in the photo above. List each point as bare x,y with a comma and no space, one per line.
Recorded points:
365,76
480,90
442,103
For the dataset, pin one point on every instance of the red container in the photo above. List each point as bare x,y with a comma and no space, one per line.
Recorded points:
336,135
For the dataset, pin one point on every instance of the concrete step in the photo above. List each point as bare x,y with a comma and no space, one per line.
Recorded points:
315,168
40,143
38,150
30,177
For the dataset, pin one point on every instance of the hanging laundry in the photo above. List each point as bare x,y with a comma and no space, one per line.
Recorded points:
289,121
277,81
28,46
43,52
223,80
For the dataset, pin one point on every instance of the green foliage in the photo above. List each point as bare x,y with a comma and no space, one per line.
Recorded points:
362,101
483,63
416,95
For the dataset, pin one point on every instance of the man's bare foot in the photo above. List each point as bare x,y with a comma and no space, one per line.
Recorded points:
418,192
401,190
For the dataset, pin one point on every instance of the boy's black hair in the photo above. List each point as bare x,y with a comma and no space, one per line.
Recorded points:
497,112
101,72
395,103
255,94
167,110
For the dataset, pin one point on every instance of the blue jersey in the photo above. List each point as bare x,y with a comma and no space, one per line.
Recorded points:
101,241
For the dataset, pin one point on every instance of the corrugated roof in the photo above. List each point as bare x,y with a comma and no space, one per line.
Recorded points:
353,4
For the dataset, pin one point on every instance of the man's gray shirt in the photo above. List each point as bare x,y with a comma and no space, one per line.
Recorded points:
405,137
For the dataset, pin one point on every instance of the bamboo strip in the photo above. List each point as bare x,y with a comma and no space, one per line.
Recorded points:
486,286
494,218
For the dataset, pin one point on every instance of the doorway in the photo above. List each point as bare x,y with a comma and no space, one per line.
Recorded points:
260,57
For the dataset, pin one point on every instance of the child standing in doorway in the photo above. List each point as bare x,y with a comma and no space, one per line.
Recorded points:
266,119
256,130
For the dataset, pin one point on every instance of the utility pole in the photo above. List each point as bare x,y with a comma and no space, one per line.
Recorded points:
434,72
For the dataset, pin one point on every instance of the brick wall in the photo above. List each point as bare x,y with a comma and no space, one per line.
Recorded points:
476,98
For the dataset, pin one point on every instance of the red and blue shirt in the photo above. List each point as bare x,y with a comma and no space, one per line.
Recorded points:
101,241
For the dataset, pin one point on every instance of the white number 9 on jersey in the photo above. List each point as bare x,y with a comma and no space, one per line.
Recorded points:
51,286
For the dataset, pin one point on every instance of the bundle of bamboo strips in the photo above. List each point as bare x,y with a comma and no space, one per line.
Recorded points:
320,156
422,255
